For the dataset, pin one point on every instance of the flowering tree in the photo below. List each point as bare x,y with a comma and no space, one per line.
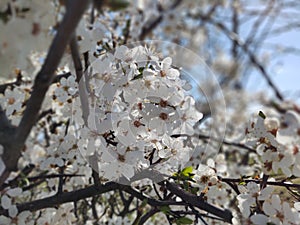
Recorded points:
99,124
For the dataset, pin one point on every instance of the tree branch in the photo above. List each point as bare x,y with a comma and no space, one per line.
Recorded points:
76,57
7,130
11,84
64,197
199,202
44,78
273,183
149,214
4,122
234,37
151,26
244,46
84,193
202,136
80,79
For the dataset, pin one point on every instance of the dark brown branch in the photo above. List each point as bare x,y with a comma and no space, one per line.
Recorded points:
50,176
264,181
79,73
200,215
11,84
76,58
19,81
233,186
93,206
60,76
151,26
273,183
16,181
126,203
198,202
45,113
229,143
235,28
202,136
45,77
150,201
7,130
61,181
64,198
149,214
4,122
84,193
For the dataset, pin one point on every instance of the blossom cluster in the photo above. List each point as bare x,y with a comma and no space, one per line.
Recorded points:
263,206
136,104
277,142
132,112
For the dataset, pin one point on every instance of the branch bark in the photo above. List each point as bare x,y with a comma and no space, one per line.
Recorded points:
44,78
151,26
258,181
17,82
80,78
198,202
87,192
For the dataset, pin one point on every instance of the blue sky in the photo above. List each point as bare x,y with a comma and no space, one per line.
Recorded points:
288,79
285,68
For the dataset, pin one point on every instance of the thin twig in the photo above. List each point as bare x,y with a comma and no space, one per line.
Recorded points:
253,59
151,26
234,37
273,183
18,82
202,136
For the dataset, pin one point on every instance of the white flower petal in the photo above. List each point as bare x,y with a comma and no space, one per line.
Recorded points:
14,192
13,211
268,209
259,219
5,202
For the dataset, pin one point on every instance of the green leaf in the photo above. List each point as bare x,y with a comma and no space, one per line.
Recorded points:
144,203
176,174
139,76
194,190
141,69
242,182
184,220
262,115
165,209
187,171
24,182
